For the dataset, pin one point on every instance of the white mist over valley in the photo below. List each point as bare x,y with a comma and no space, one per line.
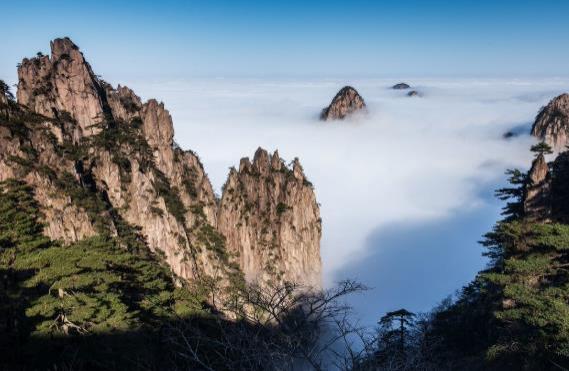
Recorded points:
411,164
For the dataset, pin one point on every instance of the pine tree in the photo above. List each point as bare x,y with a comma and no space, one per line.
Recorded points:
541,148
394,333
90,289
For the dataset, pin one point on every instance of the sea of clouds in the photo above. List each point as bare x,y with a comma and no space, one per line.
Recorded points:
414,174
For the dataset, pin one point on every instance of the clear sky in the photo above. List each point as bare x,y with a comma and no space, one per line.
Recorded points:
168,38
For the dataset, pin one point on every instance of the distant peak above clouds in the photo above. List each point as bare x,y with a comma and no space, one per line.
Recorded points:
401,86
346,102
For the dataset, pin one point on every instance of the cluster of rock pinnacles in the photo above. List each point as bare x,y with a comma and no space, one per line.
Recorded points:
551,124
348,102
266,224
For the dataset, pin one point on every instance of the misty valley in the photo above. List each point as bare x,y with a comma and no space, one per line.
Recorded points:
304,222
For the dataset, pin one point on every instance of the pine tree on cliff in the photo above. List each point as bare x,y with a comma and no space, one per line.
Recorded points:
5,91
521,302
92,287
394,333
541,149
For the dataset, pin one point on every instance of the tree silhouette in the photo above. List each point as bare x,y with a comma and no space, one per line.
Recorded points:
541,149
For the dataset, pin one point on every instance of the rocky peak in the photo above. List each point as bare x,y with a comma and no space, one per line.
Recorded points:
552,123
245,165
62,83
262,162
297,169
346,102
124,103
400,86
157,124
276,162
129,172
537,206
269,216
65,47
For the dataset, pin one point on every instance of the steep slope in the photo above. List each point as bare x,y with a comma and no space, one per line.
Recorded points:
51,293
552,123
101,161
346,102
536,200
271,220
514,314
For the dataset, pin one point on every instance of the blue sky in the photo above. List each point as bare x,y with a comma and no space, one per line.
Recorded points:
172,39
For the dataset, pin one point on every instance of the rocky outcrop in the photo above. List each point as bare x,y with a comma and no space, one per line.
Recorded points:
536,203
400,86
552,123
101,161
271,220
346,102
60,84
413,93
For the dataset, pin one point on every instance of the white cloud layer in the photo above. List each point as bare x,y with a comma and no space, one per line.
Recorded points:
408,160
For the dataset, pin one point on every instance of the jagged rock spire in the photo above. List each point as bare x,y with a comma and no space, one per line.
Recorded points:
537,205
346,102
61,83
271,220
552,123
268,212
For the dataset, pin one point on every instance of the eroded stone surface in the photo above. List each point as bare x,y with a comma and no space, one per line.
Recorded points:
99,157
271,219
552,123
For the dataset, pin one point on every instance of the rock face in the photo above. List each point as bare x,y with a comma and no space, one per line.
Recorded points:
271,220
346,102
62,83
400,86
552,123
103,162
537,206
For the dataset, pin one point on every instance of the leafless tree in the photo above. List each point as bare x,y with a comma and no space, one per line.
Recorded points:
272,327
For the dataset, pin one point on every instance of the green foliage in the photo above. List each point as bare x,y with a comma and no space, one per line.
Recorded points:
559,188
124,141
541,149
395,331
189,180
515,315
282,208
535,295
5,91
90,288
170,195
513,195
213,241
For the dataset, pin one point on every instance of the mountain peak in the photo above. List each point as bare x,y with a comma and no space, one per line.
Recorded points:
63,83
400,86
62,46
345,102
552,123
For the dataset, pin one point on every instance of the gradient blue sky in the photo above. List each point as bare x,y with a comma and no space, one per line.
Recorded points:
172,39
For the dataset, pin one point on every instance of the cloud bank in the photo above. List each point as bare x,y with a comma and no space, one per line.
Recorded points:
410,160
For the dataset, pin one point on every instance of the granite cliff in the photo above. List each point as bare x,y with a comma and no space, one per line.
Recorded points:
101,161
271,220
552,123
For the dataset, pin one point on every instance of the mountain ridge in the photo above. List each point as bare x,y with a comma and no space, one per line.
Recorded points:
89,138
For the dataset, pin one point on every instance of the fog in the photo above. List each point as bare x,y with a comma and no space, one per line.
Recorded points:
405,190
